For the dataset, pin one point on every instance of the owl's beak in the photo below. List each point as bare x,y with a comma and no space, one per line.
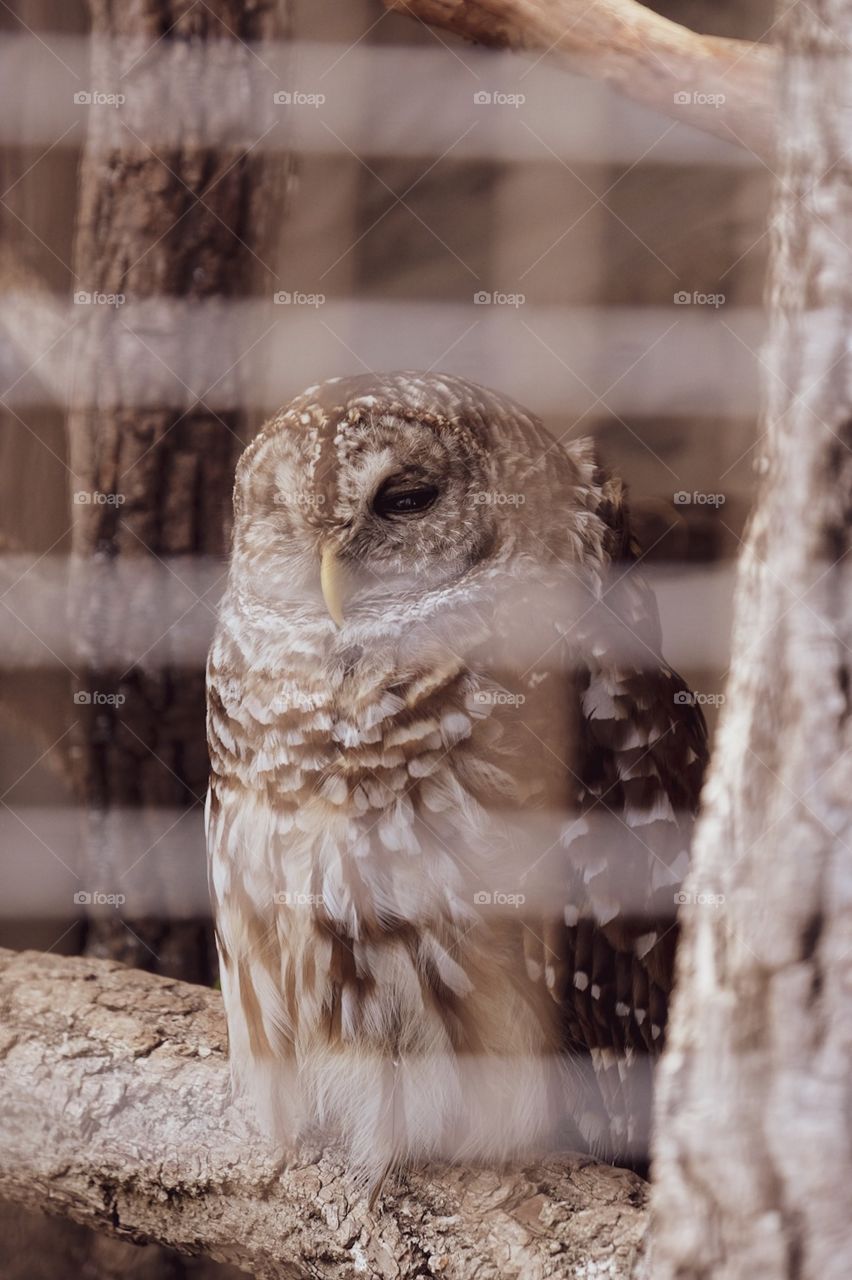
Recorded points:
331,581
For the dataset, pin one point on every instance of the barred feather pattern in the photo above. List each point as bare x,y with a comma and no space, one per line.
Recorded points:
445,837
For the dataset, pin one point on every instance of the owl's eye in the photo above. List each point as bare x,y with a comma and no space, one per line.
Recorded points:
404,501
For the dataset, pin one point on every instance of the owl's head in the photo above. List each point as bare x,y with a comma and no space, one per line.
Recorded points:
383,490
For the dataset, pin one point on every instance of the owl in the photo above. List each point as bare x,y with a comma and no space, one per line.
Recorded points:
453,782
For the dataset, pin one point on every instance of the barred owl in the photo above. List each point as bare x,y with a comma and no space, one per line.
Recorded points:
453,783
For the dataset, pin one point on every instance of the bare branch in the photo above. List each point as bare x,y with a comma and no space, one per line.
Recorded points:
114,1111
726,87
32,320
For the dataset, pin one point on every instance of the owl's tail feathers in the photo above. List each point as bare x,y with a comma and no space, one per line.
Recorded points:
377,1182
268,1090
390,1123
610,1094
379,1145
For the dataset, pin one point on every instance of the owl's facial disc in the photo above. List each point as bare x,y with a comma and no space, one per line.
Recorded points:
398,519
368,518
398,498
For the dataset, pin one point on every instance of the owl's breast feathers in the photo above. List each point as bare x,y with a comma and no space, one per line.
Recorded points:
356,822
427,866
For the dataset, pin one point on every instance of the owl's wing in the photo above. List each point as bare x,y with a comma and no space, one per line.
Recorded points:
636,774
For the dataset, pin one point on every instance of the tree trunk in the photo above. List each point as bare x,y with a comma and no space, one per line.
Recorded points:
114,1111
753,1152
190,224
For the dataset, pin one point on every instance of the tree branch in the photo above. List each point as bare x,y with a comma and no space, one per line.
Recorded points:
32,320
645,56
114,1111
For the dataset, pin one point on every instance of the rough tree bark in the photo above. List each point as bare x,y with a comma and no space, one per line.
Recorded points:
639,52
32,207
114,1111
753,1154
190,224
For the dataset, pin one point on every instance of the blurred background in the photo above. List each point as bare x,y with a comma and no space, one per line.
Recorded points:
205,208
